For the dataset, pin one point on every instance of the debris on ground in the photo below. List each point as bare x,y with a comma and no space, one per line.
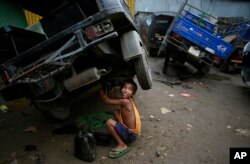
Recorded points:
3,108
189,127
160,150
229,127
149,137
30,129
171,95
188,109
103,157
151,117
39,158
243,132
186,94
165,110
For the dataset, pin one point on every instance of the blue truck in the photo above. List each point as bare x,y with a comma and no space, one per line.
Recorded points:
203,40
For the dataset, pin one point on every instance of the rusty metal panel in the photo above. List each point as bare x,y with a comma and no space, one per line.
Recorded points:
31,17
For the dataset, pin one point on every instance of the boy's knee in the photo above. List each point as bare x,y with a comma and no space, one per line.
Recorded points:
109,122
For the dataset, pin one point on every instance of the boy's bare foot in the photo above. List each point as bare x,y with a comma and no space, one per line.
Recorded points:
121,147
118,151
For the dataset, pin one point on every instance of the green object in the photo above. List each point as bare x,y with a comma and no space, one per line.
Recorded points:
200,22
94,122
3,108
11,13
117,153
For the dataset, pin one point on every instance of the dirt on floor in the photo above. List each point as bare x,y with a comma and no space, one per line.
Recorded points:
191,121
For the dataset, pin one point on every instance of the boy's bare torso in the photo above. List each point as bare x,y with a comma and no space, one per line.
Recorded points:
128,114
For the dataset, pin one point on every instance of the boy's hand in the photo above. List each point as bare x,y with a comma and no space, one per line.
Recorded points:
101,93
112,101
103,96
112,93
106,86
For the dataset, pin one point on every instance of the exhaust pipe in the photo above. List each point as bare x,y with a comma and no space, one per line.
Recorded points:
84,78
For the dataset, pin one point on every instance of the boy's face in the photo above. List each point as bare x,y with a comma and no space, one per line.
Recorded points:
127,91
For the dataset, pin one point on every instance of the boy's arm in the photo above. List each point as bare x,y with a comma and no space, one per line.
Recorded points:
112,93
110,101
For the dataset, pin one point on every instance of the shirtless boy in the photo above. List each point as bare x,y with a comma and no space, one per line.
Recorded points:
127,124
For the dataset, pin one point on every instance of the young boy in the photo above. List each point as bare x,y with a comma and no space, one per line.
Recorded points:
127,124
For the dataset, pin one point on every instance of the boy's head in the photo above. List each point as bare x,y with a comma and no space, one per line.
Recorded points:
128,88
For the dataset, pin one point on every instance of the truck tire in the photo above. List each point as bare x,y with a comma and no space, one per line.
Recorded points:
143,72
55,111
60,112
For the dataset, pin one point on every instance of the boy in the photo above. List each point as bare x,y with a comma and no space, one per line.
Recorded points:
128,123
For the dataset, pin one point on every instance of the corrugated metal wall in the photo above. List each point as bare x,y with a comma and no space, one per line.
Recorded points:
218,8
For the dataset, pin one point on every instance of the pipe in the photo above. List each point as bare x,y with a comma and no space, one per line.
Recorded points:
84,78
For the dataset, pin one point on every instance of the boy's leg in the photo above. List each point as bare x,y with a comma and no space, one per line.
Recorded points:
110,124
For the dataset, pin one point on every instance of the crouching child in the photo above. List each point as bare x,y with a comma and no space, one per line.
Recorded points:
127,125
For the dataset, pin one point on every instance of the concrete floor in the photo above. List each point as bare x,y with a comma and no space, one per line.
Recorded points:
203,118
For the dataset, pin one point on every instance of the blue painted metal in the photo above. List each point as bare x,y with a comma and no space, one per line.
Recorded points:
199,21
202,38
